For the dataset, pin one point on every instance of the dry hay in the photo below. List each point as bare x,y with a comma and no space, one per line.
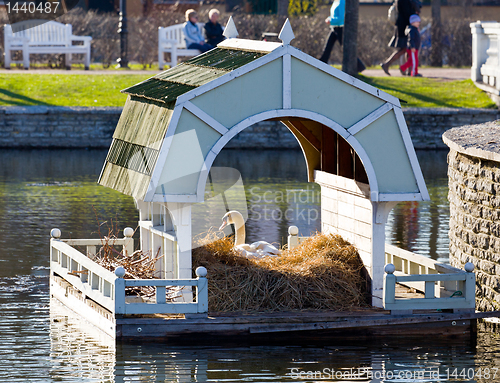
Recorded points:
323,272
138,265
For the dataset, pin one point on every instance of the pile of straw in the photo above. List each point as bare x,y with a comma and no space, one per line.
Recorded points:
323,272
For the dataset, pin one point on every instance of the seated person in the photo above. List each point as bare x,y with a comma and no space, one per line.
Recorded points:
213,29
192,34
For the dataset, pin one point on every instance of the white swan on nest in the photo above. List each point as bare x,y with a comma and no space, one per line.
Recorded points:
257,249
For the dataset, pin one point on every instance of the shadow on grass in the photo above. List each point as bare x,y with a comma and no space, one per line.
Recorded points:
16,99
437,101
418,96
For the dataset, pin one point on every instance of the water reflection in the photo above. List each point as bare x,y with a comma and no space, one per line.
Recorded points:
79,352
422,227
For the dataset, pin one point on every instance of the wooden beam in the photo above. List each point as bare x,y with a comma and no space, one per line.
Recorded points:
307,134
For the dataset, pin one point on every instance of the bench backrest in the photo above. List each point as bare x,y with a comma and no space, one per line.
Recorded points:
50,32
174,32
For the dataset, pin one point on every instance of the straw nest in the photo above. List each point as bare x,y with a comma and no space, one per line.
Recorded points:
323,272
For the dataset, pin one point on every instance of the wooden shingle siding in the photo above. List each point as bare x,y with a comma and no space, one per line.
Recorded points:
143,123
124,180
167,86
131,156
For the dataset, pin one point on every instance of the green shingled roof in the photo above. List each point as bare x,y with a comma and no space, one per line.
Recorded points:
165,87
147,112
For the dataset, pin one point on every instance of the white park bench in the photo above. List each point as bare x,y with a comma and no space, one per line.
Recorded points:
171,40
49,37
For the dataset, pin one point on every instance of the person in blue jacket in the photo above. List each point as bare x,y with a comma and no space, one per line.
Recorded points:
192,33
336,21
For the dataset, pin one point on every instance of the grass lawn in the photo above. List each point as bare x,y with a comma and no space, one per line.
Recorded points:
66,89
104,90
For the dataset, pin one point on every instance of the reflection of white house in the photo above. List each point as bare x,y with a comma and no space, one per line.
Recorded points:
353,136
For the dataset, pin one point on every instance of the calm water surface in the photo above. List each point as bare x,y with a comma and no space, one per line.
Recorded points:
41,341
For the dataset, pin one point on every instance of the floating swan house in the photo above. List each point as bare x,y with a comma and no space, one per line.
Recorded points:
357,148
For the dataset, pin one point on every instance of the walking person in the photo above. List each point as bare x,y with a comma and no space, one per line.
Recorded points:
336,21
213,30
413,36
405,9
192,33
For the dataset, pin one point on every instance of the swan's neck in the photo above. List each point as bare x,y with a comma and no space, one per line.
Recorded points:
239,226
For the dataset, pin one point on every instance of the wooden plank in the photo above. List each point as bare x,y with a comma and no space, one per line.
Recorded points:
161,282
329,150
432,277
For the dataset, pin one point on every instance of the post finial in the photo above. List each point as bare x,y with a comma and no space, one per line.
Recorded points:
390,268
230,31
286,34
120,272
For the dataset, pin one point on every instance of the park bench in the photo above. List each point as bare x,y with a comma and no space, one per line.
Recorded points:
49,37
171,40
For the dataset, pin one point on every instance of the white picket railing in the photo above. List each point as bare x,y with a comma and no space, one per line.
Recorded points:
108,288
444,286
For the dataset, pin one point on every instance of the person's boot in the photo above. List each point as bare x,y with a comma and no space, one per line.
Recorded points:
385,68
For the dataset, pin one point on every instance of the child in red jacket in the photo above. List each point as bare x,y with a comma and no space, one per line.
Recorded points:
413,33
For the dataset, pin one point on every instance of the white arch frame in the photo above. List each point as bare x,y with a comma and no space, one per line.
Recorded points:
283,113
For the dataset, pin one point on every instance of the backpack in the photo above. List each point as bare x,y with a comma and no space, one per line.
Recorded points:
392,14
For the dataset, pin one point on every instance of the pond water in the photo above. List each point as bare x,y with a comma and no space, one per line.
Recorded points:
41,341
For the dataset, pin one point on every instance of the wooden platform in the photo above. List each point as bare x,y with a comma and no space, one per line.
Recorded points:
298,326
277,327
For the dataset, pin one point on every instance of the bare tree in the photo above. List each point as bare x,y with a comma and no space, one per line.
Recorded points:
349,60
436,56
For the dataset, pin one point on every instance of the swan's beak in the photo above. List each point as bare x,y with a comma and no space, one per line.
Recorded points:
224,224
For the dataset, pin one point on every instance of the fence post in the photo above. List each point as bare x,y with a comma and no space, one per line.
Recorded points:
120,291
202,290
293,239
128,248
470,285
390,284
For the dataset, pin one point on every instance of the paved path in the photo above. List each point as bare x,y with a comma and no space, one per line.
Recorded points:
443,73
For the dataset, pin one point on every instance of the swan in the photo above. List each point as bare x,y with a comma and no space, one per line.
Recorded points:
257,249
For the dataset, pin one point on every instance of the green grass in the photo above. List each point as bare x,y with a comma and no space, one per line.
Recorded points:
432,93
104,90
66,89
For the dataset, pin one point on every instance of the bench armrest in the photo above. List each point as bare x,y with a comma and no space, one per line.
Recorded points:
81,38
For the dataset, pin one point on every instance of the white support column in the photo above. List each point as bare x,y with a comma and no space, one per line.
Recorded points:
380,213
181,214
479,48
143,208
287,81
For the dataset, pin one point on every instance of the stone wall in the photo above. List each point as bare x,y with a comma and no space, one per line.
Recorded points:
41,126
57,127
474,195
